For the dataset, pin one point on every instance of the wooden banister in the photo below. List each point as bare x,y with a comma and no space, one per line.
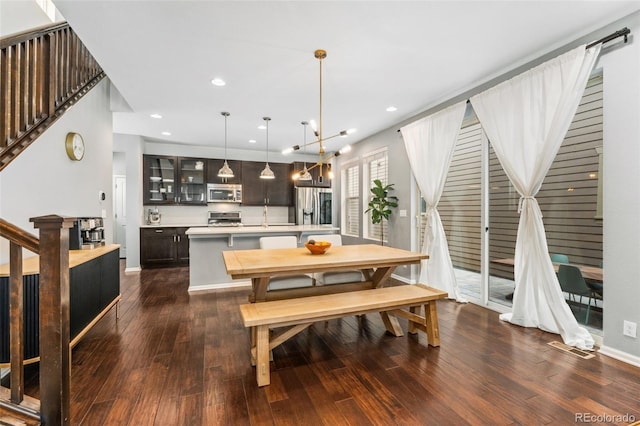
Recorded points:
55,360
42,73
18,236
55,350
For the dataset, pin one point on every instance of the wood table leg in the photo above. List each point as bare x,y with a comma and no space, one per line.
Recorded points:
392,324
262,355
381,275
260,286
431,323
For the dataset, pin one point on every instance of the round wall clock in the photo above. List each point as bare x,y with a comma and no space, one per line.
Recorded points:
74,146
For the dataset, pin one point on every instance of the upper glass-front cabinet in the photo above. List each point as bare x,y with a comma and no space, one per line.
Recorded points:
193,184
173,180
159,185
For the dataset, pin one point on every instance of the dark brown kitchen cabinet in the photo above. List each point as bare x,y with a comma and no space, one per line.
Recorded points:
174,180
272,192
164,246
214,165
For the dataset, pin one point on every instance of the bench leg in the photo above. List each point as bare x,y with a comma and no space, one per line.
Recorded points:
431,323
252,346
412,329
262,355
392,324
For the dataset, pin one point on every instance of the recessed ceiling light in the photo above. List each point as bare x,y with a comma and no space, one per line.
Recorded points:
252,141
391,108
166,133
155,116
262,127
218,82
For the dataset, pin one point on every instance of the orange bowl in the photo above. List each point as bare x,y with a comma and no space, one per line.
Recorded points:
320,247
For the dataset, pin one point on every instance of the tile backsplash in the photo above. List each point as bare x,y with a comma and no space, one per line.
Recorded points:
197,215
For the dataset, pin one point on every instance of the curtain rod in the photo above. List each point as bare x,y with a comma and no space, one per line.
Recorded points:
620,33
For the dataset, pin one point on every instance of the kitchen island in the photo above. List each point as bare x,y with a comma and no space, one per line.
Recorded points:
206,244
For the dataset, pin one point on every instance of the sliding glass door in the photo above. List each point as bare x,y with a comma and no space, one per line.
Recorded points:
479,211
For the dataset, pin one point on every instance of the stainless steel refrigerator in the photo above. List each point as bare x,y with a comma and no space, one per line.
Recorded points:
313,206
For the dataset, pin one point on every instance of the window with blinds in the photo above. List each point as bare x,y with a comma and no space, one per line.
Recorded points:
375,166
351,201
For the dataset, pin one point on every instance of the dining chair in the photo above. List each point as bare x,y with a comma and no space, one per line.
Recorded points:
290,281
337,277
559,258
573,283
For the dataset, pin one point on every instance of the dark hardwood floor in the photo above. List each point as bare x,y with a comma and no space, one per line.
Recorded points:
179,359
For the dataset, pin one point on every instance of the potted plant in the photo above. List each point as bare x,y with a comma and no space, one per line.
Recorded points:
381,204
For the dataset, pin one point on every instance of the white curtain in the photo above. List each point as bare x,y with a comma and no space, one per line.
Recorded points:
526,120
430,142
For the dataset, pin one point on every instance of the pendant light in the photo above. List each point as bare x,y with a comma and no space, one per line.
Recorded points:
267,173
225,171
304,175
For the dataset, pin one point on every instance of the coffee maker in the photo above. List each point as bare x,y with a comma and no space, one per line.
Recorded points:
86,233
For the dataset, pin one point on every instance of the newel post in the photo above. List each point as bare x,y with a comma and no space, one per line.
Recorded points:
55,359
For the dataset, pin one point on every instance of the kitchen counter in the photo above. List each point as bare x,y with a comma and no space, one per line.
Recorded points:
31,265
206,244
173,225
94,289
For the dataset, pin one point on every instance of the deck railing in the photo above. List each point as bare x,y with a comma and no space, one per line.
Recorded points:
53,408
42,73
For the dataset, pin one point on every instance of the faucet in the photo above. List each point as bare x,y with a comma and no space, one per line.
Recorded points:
264,216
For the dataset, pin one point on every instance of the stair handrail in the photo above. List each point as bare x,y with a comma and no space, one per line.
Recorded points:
19,236
43,72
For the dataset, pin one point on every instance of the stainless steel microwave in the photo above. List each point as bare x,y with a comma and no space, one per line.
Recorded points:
224,193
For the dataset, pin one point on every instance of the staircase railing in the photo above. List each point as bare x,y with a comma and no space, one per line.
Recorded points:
55,362
42,73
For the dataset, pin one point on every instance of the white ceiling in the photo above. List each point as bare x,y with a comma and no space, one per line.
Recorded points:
161,56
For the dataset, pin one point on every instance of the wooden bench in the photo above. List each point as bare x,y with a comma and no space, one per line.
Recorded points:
300,313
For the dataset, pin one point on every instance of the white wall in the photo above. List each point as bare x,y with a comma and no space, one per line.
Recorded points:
621,174
131,148
43,180
20,15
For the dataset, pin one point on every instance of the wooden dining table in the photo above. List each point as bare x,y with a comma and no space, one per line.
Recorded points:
377,263
591,273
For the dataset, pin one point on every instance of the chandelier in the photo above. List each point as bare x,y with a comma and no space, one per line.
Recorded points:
323,159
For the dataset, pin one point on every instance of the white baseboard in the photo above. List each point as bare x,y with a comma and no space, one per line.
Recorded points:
211,287
620,356
134,269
